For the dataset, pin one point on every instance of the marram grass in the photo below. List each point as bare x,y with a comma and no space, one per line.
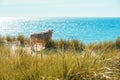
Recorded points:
60,65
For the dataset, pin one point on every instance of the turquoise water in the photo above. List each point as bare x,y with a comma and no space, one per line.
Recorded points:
83,29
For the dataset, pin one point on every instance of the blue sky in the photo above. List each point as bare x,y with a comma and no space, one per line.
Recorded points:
59,8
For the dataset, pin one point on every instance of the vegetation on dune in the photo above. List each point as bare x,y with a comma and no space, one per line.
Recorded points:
118,43
9,38
68,65
21,38
73,60
67,44
106,45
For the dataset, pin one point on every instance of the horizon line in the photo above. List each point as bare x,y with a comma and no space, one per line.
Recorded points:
60,17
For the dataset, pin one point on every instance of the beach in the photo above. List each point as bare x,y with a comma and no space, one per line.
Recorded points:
82,49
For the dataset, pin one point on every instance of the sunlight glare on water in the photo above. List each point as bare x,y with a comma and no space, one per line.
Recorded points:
84,29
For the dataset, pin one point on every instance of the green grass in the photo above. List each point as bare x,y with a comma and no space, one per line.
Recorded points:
60,65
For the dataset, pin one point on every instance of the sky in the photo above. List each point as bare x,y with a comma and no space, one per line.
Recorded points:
59,8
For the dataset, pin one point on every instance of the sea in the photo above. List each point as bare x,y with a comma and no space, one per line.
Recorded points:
87,30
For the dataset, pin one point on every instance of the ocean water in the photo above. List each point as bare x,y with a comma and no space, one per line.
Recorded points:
83,29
